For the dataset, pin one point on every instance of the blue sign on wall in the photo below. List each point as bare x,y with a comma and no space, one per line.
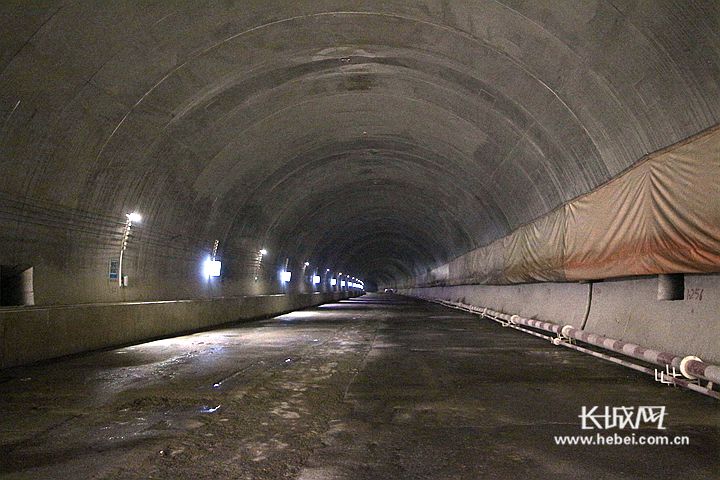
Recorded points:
113,271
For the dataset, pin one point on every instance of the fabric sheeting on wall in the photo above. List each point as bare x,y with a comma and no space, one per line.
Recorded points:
482,265
535,252
661,216
686,206
607,231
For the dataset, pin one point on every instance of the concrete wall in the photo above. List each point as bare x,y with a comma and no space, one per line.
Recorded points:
625,309
30,334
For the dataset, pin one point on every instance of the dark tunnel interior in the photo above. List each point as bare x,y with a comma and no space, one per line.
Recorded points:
343,239
377,138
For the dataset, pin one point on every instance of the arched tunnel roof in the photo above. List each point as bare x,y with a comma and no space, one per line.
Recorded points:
378,137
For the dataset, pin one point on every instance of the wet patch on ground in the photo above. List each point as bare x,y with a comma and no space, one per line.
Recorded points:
377,387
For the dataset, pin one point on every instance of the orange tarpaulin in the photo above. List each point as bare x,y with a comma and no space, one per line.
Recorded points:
661,216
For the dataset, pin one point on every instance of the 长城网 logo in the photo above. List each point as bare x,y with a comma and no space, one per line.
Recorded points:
605,418
602,419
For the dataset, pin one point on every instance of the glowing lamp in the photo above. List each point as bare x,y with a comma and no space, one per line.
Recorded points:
212,268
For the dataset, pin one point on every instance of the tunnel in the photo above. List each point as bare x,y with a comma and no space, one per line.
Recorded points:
341,239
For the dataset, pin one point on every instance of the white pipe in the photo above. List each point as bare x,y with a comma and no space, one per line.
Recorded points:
690,366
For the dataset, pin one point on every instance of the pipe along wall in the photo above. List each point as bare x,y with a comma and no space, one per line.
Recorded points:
694,374
624,309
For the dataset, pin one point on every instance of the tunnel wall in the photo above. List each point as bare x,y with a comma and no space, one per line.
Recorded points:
624,309
33,334
377,138
660,216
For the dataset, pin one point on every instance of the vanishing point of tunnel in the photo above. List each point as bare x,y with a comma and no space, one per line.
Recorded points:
342,239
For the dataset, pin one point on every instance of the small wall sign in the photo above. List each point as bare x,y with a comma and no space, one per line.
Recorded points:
113,270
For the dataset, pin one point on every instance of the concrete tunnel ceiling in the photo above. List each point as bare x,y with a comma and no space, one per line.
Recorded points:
380,138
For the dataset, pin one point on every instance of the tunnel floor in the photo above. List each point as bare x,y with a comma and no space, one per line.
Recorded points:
378,387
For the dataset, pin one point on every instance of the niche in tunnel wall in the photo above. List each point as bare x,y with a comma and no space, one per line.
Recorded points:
16,286
671,286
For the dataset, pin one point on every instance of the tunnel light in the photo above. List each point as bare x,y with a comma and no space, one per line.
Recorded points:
333,282
285,276
212,268
130,218
316,279
263,252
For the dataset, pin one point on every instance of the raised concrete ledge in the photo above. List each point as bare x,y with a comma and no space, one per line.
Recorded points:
625,309
154,302
31,334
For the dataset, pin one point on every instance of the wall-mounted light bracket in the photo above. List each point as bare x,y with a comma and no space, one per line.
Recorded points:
129,219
